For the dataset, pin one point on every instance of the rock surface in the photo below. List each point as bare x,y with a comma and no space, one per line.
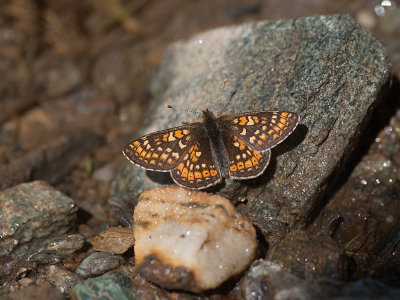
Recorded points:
107,286
51,250
98,263
267,280
116,240
30,212
328,69
309,255
190,240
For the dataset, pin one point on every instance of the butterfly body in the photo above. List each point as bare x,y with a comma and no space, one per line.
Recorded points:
200,154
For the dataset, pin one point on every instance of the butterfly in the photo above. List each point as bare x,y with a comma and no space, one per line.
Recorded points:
201,154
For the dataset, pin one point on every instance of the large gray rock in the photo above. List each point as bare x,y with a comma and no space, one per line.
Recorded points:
328,69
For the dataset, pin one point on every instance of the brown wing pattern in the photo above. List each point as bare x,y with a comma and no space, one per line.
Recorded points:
245,162
197,169
162,150
261,130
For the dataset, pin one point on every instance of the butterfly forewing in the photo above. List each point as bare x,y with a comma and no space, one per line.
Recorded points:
162,150
197,168
261,130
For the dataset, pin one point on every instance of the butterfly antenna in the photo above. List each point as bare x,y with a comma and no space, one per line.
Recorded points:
180,109
214,100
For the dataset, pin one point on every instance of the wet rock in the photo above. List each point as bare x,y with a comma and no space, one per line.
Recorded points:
115,240
50,250
367,206
51,161
369,289
267,280
309,255
190,240
107,286
62,278
30,212
98,263
328,69
36,293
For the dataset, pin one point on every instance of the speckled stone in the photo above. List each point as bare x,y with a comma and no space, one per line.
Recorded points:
98,263
328,69
31,212
107,286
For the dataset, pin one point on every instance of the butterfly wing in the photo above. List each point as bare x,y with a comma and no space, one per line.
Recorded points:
197,168
261,130
245,162
161,150
249,136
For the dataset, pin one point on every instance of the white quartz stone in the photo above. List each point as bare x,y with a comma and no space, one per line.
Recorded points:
197,232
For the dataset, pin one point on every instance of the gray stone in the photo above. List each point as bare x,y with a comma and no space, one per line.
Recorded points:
98,263
50,250
107,286
62,278
328,69
30,212
267,280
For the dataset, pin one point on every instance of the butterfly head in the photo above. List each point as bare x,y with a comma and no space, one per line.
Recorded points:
207,114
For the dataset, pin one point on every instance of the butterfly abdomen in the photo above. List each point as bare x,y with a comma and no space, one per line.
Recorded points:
216,143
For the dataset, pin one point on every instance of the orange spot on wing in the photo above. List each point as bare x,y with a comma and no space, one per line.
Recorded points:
184,173
254,161
256,120
153,162
242,120
164,156
242,145
240,165
143,154
281,126
178,134
165,137
197,174
257,155
284,114
169,161
248,164
181,166
283,121
206,173
233,168
190,176
148,155
214,172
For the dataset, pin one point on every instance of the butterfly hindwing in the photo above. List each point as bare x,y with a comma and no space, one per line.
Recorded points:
261,130
161,150
197,168
244,162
